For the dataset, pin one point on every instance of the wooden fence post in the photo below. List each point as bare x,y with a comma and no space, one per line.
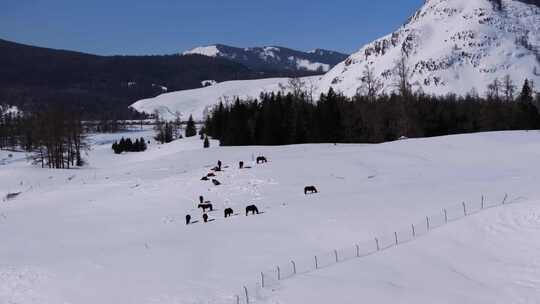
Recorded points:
504,200
445,216
427,222
464,209
262,280
237,299
482,202
395,235
293,266
357,250
413,231
278,273
247,294
377,243
316,263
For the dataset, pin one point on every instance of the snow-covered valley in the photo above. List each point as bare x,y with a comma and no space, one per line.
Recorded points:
114,231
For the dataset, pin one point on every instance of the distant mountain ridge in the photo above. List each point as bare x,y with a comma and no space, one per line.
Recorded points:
273,57
104,86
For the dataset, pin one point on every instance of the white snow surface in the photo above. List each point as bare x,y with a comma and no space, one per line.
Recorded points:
6,109
114,232
451,46
198,102
210,51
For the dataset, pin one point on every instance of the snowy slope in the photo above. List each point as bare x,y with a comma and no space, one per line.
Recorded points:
490,257
451,46
114,232
273,57
198,101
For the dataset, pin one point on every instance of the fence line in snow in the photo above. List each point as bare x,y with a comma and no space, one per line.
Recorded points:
261,289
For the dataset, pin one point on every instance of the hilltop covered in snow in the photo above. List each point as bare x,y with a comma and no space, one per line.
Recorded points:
451,46
273,57
198,102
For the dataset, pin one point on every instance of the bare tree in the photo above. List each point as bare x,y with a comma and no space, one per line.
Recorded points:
509,88
402,72
494,90
295,86
371,84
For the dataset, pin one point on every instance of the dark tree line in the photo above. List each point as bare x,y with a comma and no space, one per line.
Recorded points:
277,119
55,138
127,145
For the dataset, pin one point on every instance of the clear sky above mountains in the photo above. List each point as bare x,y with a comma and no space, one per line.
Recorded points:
167,26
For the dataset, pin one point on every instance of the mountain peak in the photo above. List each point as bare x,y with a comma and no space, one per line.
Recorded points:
451,46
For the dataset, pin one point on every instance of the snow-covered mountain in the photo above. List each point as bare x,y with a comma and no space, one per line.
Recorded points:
273,57
451,46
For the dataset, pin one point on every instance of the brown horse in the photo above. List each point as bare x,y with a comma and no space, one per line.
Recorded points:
206,206
253,209
310,190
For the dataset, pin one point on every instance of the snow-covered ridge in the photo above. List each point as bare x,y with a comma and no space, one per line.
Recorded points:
273,57
198,102
9,110
451,46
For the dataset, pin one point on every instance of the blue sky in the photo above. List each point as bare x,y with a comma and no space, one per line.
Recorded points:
168,26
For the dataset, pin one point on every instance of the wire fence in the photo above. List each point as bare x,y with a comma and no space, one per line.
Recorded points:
268,281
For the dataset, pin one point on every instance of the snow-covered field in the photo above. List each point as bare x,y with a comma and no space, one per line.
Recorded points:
114,232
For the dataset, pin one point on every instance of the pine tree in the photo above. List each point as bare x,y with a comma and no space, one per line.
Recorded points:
191,130
526,94
143,144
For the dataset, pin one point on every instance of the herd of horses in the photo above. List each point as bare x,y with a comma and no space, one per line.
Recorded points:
228,212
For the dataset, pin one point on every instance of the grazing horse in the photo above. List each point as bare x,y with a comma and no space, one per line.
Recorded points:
206,206
188,219
205,217
211,174
253,209
261,159
310,189
205,178
228,212
216,182
241,165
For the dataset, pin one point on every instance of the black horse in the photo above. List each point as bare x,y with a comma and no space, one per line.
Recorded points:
205,178
216,182
211,174
206,206
310,189
201,199
253,209
228,212
261,160
241,165
188,219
